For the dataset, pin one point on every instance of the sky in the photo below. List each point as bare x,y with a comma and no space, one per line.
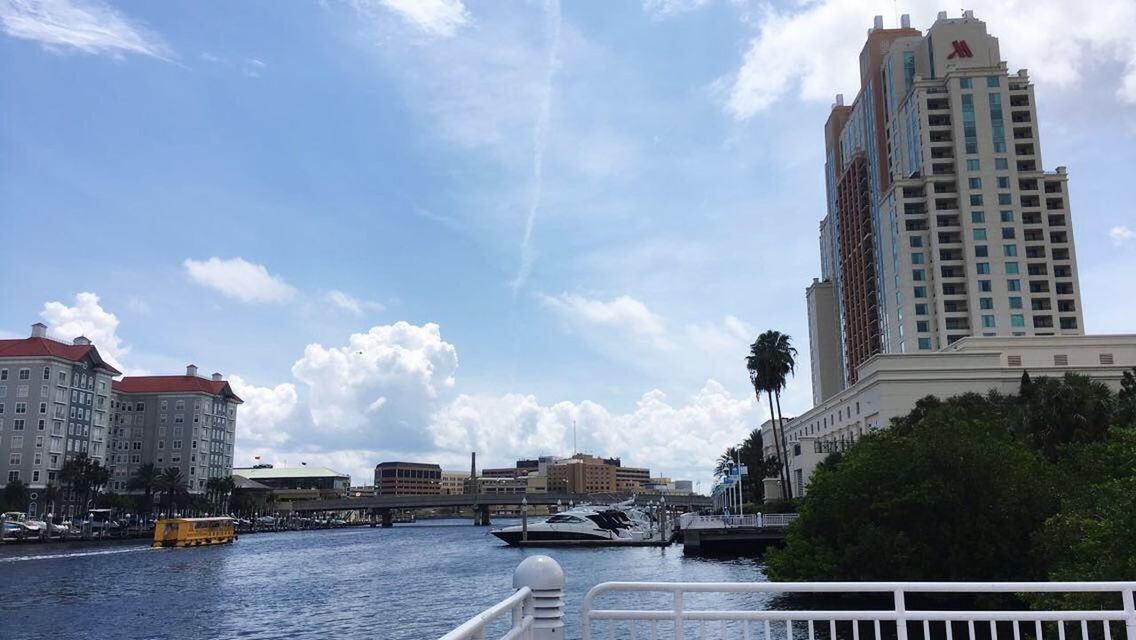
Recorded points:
411,229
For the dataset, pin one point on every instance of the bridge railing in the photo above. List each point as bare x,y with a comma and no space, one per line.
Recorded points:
773,520
515,606
536,607
1112,618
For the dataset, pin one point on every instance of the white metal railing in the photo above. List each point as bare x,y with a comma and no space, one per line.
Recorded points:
515,605
680,619
758,520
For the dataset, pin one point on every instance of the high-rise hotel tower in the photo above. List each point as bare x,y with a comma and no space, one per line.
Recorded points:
941,221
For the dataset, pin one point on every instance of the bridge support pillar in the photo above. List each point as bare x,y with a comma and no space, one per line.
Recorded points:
371,518
388,518
481,515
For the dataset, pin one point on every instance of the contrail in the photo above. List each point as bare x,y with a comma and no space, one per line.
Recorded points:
540,139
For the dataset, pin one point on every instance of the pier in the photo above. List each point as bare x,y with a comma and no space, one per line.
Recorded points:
724,534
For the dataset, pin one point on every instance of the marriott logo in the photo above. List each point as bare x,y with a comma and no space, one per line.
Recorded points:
961,50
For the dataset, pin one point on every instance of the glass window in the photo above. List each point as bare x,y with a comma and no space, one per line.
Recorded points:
1007,216
1003,182
1012,268
984,286
916,241
925,344
1015,302
980,251
974,183
991,81
986,303
1005,199
983,267
976,199
921,309
965,83
987,321
917,258
973,165
977,217
1009,250
918,275
1017,320
1014,285
970,131
920,292
980,234
922,326
1001,164
997,128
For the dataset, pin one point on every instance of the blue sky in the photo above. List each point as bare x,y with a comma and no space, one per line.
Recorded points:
416,228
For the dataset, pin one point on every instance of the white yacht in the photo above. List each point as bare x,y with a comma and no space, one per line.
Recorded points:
582,523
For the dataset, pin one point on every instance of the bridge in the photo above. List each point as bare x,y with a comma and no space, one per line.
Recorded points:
481,502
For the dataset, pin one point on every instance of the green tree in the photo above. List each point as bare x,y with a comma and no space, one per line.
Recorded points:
725,462
15,496
50,498
171,485
1126,400
771,360
145,479
949,495
1055,412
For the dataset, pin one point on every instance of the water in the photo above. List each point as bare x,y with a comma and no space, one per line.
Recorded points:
412,581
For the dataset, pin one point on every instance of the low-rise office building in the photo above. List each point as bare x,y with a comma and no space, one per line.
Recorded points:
298,483
453,482
888,386
408,479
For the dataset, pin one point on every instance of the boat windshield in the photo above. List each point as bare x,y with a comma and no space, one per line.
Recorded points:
563,519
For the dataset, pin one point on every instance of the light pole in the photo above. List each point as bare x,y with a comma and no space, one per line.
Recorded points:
524,519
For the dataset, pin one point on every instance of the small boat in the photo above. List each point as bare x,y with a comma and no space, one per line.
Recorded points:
17,524
193,532
581,523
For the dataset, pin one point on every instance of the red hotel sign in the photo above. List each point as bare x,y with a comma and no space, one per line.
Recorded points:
961,50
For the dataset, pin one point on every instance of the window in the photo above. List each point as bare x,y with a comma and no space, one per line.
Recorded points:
986,303
1014,285
1005,199
984,286
1011,268
25,374
1008,233
165,405
973,165
176,444
987,321
13,476
976,199
922,326
21,407
1009,250
1015,302
965,83
3,374
977,217
997,129
970,131
920,292
925,344
1003,182
1017,320
14,459
992,81
1001,164
43,407
916,241
917,258
1007,216
980,234
17,442
975,183
983,267
921,309
47,373
179,405
918,275
980,251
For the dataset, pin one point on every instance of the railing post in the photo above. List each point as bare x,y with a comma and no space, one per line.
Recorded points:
1129,613
545,578
901,615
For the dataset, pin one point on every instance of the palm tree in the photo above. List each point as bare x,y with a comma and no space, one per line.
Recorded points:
771,360
75,475
214,489
170,484
227,487
50,497
145,479
725,461
15,496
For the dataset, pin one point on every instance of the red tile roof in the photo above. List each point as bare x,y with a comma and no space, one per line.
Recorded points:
174,384
44,347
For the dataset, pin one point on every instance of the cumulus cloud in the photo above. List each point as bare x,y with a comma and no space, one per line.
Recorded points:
379,389
1121,235
87,318
812,47
264,414
239,279
88,26
625,315
439,18
351,304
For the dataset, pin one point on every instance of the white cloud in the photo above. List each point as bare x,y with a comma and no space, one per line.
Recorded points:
439,18
89,26
264,414
666,8
252,67
86,318
1121,235
379,389
239,279
629,317
138,305
814,46
351,304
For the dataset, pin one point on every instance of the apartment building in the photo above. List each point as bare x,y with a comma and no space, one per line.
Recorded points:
941,222
55,403
186,422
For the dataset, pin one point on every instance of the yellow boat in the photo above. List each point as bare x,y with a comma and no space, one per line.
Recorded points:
193,532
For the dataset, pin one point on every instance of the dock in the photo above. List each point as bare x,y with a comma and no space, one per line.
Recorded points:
708,535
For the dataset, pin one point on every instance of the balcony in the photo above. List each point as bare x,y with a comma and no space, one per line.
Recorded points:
946,204
1069,323
1021,116
1033,235
1019,100
950,237
946,187
1064,288
1062,271
1031,218
946,221
943,169
938,104
1028,185
911,193
1039,286
1024,149
1053,187
1039,269
1043,322
1058,237
952,272
915,225
1066,306
950,254
1025,166
1023,133
1057,221
1054,204
1061,254
1040,304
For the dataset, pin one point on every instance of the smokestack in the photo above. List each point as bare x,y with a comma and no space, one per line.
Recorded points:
218,377
840,99
191,370
81,341
905,21
39,330
473,466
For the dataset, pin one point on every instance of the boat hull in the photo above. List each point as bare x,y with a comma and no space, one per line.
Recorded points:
513,538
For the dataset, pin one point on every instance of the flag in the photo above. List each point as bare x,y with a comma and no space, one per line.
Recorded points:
256,457
304,464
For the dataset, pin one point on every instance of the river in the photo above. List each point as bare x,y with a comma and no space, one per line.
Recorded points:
409,582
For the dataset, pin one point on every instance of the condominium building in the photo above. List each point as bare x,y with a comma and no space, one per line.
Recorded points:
942,222
55,403
187,422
